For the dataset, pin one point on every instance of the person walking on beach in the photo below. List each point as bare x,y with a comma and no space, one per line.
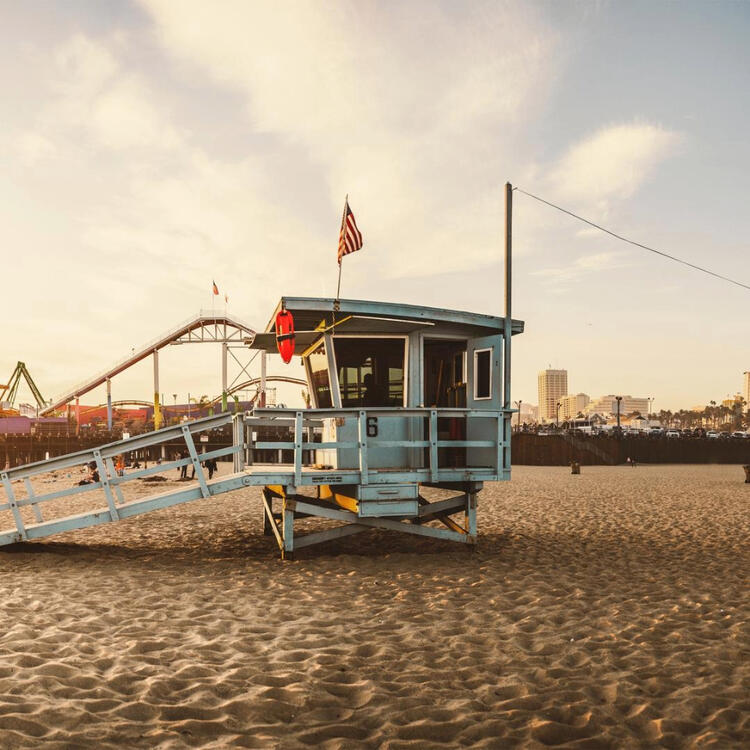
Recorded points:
183,468
212,467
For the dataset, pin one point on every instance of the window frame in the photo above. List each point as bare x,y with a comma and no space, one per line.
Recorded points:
403,337
475,387
308,372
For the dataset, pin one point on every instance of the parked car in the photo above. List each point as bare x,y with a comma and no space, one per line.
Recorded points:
724,435
739,434
712,435
673,433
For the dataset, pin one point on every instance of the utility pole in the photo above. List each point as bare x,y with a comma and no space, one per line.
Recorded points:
518,404
507,325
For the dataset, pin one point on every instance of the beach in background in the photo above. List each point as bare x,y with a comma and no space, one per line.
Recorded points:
603,610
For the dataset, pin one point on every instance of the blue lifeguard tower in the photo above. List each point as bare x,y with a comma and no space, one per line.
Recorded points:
403,397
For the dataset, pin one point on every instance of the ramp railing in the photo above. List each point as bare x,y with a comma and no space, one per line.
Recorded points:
19,493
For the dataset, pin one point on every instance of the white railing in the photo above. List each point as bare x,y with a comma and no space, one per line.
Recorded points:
367,439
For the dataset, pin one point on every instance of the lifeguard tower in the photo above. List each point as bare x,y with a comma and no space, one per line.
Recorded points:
402,398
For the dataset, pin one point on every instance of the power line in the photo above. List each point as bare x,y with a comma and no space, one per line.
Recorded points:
633,242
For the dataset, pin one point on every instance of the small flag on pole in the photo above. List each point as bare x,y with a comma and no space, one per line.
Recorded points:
216,288
350,238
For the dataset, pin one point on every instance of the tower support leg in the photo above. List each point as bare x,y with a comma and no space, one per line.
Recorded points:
287,528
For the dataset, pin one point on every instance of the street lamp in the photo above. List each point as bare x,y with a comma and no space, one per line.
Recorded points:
618,399
518,404
557,414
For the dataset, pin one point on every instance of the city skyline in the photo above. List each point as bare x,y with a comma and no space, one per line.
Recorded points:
143,160
553,390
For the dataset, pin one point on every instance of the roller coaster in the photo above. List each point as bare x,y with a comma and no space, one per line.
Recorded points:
207,327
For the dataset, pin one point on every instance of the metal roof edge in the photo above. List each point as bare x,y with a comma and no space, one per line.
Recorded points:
392,309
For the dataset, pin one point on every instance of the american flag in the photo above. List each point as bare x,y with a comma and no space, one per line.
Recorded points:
350,238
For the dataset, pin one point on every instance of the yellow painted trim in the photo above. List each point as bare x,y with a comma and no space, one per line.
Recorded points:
324,328
277,489
452,525
348,503
310,349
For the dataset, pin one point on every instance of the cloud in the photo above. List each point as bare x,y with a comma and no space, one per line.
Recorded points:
94,94
34,147
384,101
611,164
583,266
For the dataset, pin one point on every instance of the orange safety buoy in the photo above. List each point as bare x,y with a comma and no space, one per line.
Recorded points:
285,335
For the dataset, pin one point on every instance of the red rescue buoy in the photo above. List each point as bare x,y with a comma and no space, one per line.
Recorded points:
285,335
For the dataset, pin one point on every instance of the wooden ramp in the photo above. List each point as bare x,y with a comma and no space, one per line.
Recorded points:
16,486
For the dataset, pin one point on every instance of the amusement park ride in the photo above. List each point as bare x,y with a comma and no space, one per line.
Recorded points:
206,327
403,397
9,391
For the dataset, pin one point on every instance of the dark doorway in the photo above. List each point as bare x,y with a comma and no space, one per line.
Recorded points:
445,387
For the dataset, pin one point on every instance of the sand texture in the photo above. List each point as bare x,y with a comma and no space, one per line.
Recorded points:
603,610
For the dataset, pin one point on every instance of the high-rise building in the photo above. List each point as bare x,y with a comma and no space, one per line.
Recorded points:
553,385
732,401
573,405
608,405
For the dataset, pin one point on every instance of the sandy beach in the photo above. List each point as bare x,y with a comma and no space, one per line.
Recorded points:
603,610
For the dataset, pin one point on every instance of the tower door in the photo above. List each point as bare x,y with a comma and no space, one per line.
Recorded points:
484,385
445,387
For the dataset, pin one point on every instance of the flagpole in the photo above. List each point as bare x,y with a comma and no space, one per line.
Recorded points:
341,234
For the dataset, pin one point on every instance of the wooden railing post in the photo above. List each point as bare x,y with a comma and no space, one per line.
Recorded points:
298,421
363,447
433,446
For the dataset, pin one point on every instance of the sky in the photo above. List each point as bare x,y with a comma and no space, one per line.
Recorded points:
150,147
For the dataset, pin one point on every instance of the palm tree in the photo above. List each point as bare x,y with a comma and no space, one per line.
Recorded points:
739,409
